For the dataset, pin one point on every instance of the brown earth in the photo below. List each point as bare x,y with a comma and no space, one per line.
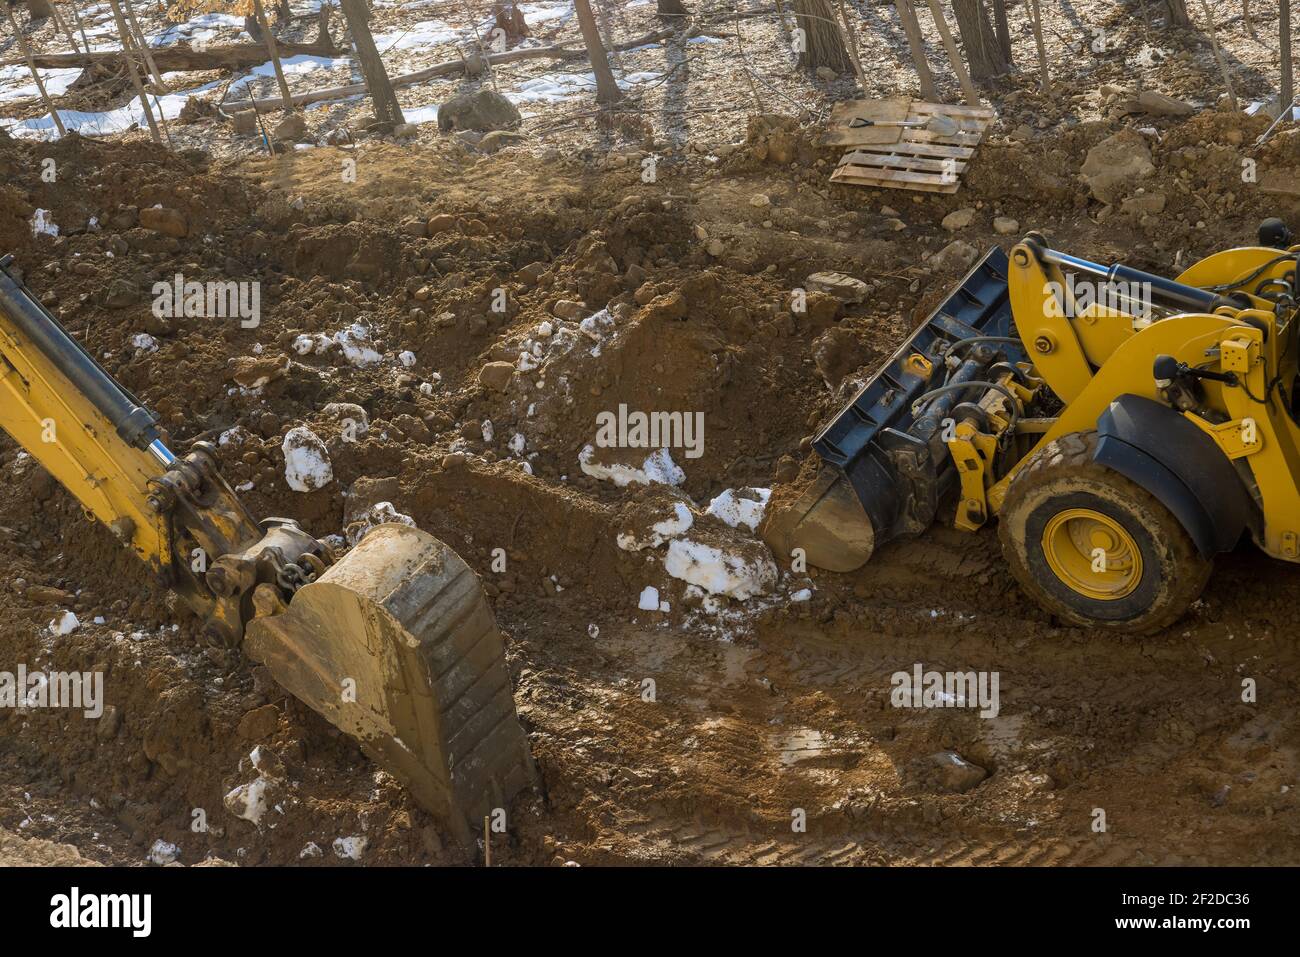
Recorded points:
762,713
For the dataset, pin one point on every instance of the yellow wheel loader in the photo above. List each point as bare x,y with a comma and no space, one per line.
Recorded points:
394,643
1124,428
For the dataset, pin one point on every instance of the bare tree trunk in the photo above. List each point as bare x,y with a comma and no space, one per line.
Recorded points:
954,58
36,75
1003,31
981,43
1284,46
672,8
1218,55
38,9
382,96
607,91
509,19
274,53
1245,16
916,44
823,44
1037,14
1178,15
125,33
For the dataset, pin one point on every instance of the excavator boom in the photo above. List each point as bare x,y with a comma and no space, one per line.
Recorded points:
394,643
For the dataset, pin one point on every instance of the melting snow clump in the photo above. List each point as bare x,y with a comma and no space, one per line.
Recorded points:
42,225
163,852
658,467
306,460
742,506
718,571
350,848
65,624
660,532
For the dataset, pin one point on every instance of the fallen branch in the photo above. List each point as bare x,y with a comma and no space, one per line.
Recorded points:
559,51
181,57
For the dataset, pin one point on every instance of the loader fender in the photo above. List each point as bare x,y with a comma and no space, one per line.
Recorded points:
1156,447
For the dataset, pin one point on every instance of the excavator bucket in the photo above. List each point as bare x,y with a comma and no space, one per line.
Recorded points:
884,469
396,646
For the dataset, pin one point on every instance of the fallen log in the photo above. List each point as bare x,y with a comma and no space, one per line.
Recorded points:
559,51
181,57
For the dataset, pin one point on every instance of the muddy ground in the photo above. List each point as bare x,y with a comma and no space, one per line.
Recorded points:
766,712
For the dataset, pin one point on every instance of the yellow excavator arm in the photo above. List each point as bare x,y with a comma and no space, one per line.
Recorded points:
395,643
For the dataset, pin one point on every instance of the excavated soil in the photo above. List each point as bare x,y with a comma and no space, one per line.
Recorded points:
765,713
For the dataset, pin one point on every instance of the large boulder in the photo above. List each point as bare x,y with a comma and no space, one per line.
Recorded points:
1114,167
482,110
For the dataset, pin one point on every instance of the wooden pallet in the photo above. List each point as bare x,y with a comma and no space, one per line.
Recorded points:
899,157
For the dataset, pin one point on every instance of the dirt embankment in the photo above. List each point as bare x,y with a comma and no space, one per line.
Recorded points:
476,336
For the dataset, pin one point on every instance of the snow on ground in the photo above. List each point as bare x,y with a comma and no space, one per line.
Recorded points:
16,82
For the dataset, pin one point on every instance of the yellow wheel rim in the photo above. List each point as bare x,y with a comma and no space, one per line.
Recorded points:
1092,554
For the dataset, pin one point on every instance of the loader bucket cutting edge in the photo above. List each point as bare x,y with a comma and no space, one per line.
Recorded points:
879,478
396,646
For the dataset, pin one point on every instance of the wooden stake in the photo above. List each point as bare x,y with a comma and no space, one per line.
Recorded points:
852,37
81,27
1287,89
487,843
916,44
36,75
285,95
131,71
138,36
1037,15
1218,55
968,88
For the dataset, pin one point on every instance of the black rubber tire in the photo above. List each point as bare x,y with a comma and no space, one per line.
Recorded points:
1063,475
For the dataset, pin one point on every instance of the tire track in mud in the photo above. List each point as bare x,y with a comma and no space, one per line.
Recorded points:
1147,730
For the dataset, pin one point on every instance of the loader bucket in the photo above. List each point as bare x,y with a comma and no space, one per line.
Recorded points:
826,521
883,469
396,646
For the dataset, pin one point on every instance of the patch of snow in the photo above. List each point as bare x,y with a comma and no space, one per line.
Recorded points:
677,524
65,624
350,848
306,460
42,225
658,468
649,600
163,852
717,571
743,506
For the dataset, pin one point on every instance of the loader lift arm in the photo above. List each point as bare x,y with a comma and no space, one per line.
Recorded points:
394,643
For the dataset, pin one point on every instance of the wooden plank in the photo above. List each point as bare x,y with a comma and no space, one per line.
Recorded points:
887,108
866,161
921,149
863,136
853,178
960,138
895,176
963,112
